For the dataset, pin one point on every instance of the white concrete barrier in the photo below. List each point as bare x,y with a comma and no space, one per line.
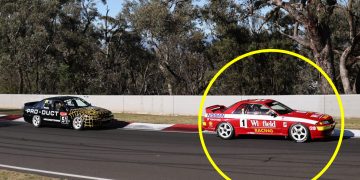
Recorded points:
189,105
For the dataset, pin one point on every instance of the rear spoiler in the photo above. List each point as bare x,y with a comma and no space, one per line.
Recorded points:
215,109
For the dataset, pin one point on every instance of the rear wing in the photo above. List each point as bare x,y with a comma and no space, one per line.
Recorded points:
215,109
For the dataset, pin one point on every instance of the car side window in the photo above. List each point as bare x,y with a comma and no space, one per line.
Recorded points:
39,105
59,106
240,109
257,109
48,104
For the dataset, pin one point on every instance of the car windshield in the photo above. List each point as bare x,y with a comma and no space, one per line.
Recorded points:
279,108
76,103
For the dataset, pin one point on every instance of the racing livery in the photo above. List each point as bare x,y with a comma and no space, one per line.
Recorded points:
66,110
267,117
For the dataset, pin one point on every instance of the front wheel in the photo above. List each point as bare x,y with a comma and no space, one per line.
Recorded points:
36,121
299,133
78,123
225,131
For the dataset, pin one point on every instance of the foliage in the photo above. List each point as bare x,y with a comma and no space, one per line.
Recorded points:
157,47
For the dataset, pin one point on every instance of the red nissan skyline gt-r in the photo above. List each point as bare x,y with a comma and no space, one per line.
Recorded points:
267,117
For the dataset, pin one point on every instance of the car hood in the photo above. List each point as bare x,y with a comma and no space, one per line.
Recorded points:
91,111
308,115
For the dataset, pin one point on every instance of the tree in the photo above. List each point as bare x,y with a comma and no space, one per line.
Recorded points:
314,17
169,31
347,39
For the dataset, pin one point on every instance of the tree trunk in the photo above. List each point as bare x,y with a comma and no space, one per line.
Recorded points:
344,73
21,82
357,84
321,46
167,76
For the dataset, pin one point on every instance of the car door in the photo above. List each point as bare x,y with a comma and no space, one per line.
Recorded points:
63,112
49,113
261,120
241,121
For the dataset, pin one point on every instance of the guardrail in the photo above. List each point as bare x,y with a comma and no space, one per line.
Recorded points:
189,105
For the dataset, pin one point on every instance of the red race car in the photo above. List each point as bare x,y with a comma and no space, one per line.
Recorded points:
267,117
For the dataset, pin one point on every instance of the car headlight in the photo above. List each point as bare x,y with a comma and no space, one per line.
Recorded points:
324,123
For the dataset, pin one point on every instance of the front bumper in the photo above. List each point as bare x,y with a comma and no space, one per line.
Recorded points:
323,131
90,123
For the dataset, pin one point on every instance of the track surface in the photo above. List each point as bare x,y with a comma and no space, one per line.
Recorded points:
124,154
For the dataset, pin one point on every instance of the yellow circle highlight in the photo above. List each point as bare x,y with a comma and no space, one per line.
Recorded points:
331,160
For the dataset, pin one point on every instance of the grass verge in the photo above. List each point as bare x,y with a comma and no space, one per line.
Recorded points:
12,175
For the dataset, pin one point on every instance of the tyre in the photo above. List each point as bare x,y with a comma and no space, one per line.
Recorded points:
225,130
78,123
299,133
36,121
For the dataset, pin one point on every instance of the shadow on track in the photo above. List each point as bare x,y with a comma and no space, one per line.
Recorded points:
276,138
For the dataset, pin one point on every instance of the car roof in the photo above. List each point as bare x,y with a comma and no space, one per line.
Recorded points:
257,101
61,98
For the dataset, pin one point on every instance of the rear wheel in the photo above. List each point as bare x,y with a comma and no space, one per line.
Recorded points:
78,123
225,130
36,121
299,133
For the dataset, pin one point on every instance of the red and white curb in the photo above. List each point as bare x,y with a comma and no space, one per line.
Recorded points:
190,128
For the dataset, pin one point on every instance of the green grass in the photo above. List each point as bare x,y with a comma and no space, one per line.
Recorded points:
351,123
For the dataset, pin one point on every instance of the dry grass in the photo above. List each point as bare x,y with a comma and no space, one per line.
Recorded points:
157,119
350,123
12,175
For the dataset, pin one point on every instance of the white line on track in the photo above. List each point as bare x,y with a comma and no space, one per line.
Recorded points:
51,172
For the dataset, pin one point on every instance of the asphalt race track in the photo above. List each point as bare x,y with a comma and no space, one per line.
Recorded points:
125,154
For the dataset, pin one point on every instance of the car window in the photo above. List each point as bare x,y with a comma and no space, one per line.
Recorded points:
76,102
39,105
240,109
257,109
59,106
48,104
279,107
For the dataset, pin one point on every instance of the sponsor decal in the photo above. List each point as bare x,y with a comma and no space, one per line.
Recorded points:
215,115
63,113
210,124
32,111
42,112
49,113
254,123
270,124
284,124
312,128
64,120
264,131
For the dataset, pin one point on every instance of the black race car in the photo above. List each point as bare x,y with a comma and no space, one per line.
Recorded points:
66,110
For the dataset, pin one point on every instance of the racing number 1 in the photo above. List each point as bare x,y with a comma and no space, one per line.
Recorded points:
243,122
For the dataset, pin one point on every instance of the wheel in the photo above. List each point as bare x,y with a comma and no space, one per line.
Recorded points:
36,121
225,130
78,123
299,133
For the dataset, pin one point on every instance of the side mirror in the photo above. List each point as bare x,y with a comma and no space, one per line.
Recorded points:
273,114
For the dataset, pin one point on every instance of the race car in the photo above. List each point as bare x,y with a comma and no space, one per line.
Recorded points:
267,117
67,111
